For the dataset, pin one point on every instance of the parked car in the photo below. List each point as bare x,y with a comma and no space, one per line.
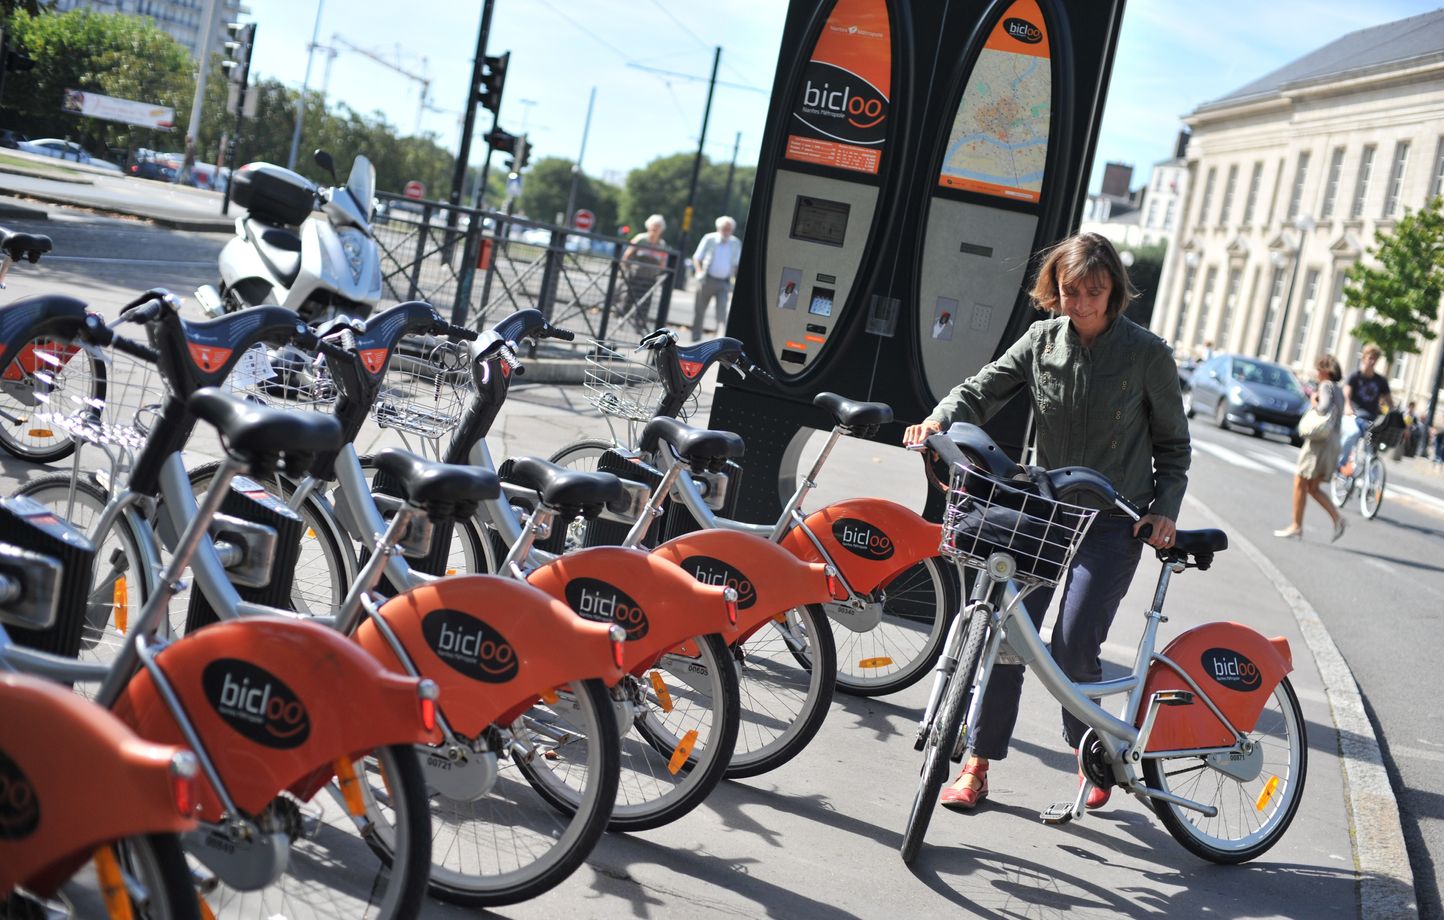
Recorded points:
147,165
1251,393
65,150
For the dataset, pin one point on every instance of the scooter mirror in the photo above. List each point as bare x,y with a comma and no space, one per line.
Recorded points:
325,161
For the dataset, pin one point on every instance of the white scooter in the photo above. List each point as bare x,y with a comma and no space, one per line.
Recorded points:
321,262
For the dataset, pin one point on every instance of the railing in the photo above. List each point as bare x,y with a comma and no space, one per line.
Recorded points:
483,265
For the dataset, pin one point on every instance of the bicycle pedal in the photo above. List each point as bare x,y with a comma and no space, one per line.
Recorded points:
1057,813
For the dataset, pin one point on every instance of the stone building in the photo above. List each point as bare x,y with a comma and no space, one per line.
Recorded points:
1289,177
181,19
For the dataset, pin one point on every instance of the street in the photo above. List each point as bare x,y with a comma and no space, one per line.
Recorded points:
818,838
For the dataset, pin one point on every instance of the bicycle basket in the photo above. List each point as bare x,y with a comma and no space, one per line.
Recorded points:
426,388
115,405
1388,429
986,516
622,387
283,377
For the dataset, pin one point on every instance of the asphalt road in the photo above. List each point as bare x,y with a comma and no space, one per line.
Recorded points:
1380,591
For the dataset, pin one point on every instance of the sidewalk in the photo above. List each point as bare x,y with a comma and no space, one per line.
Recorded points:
168,205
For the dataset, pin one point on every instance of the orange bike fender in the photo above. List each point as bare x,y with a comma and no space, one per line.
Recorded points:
767,578
491,644
1236,666
869,539
275,701
72,776
657,603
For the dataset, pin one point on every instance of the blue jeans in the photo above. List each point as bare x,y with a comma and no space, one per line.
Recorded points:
1097,581
1351,437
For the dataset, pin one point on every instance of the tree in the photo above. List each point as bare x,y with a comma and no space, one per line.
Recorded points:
1145,271
661,187
547,184
1400,297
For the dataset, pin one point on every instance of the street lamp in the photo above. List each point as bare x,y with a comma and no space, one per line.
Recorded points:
1304,224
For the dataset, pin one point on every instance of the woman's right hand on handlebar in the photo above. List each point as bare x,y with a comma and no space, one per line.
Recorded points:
916,434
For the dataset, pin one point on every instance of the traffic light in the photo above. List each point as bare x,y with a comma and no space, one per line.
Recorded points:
498,139
237,64
492,81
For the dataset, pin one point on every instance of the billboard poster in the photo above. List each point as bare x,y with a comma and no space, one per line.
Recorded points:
999,140
839,118
125,111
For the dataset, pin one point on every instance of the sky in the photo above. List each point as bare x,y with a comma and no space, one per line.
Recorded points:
1172,56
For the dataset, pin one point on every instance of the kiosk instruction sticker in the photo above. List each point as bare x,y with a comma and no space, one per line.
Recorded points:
840,116
999,141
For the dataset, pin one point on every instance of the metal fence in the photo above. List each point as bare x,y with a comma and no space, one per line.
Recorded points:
483,265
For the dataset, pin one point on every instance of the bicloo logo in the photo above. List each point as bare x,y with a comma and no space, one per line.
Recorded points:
256,703
711,571
1023,30
1231,669
862,539
19,806
594,599
858,103
470,646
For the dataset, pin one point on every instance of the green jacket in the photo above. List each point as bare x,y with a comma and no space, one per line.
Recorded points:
1115,408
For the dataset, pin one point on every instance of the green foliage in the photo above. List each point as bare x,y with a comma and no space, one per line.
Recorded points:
1400,296
1144,273
661,186
547,184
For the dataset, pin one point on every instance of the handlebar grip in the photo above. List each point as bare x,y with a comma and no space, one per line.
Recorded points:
335,352
1144,533
135,349
460,332
566,335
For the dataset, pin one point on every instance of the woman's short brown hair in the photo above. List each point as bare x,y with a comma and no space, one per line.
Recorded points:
1082,256
1330,365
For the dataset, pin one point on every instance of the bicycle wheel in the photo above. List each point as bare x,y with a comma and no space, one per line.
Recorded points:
325,566
1371,488
896,640
331,869
121,582
785,674
471,553
160,885
1252,814
43,367
1341,484
943,737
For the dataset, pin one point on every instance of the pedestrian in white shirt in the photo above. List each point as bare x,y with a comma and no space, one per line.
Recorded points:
715,263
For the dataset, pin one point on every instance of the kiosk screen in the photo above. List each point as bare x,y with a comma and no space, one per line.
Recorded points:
818,220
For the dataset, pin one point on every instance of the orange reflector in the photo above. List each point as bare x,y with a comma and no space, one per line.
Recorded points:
874,662
120,600
664,699
310,533
451,571
682,752
350,787
780,618
41,433
206,912
112,886
1269,789
550,697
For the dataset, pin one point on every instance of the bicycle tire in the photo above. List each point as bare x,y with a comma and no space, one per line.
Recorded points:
510,812
581,455
155,861
923,595
1188,827
772,729
121,583
331,872
19,397
942,738
1341,484
1371,489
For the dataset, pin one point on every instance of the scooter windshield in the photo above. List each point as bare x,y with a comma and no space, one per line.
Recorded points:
362,185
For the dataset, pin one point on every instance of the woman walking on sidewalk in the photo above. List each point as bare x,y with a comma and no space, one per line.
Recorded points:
1319,455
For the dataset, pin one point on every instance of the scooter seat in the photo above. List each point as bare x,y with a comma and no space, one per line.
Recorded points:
279,248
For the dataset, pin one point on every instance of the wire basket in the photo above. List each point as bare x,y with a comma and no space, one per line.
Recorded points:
623,387
426,388
98,396
284,377
986,516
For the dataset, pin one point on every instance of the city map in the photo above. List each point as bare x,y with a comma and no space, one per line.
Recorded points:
999,141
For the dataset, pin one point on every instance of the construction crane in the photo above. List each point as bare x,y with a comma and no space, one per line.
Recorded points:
422,78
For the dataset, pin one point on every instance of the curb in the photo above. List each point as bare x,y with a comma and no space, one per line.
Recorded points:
41,174
1381,860
10,209
199,225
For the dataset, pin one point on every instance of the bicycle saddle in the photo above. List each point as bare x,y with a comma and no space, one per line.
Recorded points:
24,245
572,491
443,489
1200,542
852,414
694,445
260,434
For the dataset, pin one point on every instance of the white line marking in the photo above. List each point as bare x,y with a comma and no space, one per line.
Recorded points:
113,260
1423,498
1275,461
1381,565
1229,456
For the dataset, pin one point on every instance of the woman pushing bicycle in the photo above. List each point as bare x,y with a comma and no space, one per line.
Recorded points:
1105,395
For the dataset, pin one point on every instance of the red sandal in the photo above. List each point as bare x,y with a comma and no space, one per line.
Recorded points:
968,797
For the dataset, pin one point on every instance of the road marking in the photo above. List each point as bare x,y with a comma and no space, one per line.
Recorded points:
1381,565
1229,456
1422,497
1277,462
112,260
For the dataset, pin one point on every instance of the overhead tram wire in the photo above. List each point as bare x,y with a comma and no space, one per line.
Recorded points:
703,43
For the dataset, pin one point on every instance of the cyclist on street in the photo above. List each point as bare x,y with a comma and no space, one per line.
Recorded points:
1368,397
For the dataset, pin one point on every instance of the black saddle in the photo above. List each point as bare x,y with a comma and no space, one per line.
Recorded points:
858,417
696,446
444,490
572,492
263,436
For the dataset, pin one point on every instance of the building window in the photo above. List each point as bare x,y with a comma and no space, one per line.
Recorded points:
1229,185
1361,185
1301,175
1331,188
1188,278
1306,312
1271,316
1278,188
1152,214
1230,300
1336,314
1253,183
1207,198
1168,213
1205,306
1438,188
1396,179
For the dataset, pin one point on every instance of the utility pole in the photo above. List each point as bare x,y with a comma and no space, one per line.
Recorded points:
681,279
731,171
577,166
198,103
478,67
305,84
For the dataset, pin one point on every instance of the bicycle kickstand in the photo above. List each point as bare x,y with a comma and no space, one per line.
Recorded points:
1063,812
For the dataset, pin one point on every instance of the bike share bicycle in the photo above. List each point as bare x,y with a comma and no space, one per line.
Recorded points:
1210,734
280,809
